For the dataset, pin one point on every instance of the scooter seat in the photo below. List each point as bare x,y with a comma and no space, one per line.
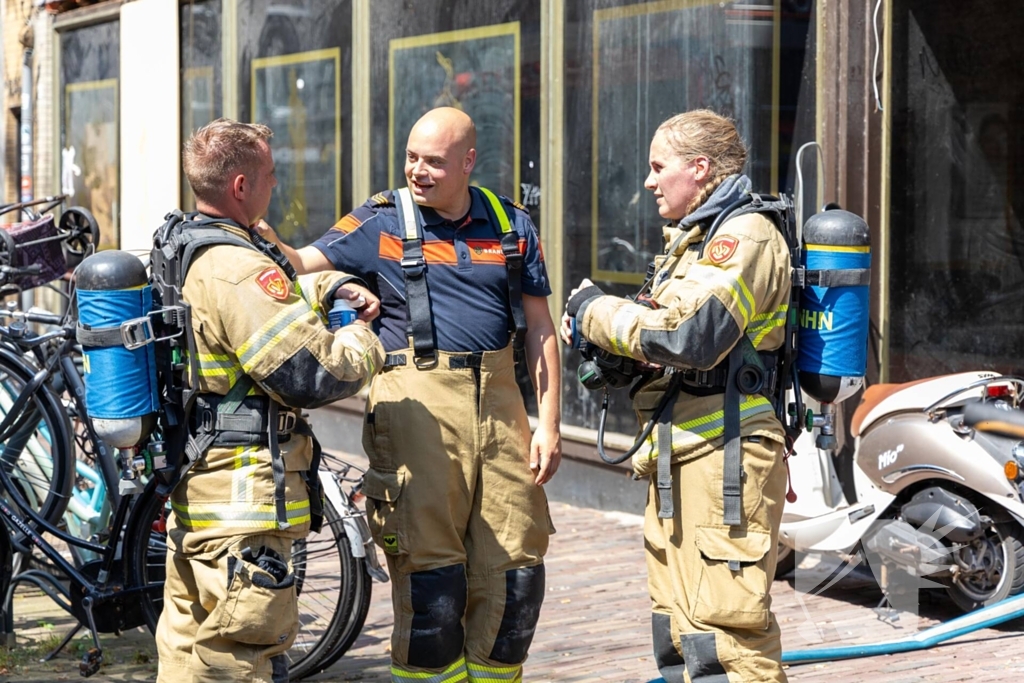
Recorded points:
874,395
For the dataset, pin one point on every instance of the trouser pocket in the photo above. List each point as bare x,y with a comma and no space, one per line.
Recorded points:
732,590
261,607
383,490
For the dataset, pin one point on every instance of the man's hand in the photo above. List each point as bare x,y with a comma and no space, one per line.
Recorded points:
264,230
545,453
370,306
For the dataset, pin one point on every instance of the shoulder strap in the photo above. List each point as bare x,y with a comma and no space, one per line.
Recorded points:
513,265
414,267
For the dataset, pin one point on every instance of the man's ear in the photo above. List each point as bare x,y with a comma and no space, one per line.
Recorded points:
701,168
239,187
469,162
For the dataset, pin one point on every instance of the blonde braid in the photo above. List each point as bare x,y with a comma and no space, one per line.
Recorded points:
706,191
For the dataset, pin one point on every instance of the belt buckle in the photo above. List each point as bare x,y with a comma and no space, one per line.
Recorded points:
701,378
286,422
425,362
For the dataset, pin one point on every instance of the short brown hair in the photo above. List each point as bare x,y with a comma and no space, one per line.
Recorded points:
217,151
702,132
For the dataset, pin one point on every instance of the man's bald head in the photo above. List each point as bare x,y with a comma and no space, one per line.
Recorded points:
439,156
449,124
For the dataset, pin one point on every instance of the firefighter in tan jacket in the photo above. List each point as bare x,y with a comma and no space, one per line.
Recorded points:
710,536
230,603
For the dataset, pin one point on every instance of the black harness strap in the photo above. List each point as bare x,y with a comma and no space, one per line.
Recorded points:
732,474
414,267
513,265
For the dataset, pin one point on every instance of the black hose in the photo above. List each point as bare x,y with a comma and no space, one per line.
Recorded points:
670,392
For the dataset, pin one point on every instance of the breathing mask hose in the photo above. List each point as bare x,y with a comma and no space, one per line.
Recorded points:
670,392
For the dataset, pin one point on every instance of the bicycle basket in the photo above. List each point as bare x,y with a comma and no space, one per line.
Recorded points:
35,242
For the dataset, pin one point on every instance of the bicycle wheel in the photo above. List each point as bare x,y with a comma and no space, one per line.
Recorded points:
334,588
334,597
36,454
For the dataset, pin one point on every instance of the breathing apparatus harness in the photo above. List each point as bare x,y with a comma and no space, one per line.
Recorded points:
744,371
414,268
192,421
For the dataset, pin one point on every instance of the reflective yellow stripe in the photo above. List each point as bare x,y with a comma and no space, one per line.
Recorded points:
244,477
708,427
453,674
763,323
498,209
219,365
734,285
826,247
234,515
301,291
621,321
267,337
481,673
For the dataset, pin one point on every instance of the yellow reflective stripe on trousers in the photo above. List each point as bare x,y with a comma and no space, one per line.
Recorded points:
243,479
763,323
708,427
453,674
735,286
234,515
267,337
481,673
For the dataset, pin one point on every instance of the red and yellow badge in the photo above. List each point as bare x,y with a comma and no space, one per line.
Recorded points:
722,248
273,283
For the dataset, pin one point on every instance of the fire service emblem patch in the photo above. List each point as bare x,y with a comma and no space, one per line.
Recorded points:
722,248
273,283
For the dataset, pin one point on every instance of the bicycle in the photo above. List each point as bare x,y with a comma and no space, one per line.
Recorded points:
333,566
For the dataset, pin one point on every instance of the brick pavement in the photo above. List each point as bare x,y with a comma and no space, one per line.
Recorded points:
595,625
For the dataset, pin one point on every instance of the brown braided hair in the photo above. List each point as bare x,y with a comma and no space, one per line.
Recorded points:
702,132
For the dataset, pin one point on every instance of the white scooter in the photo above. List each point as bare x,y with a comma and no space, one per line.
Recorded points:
925,495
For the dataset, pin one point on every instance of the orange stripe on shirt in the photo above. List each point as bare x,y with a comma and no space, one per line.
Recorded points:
480,251
347,224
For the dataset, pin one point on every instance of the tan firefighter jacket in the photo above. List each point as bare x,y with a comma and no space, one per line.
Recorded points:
741,285
250,319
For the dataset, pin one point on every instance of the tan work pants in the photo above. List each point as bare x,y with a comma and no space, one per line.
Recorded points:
226,619
709,583
452,501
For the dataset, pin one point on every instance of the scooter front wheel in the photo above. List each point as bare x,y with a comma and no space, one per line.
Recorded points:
991,568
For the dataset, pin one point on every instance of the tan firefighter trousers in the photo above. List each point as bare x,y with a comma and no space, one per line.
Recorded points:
452,501
225,618
709,582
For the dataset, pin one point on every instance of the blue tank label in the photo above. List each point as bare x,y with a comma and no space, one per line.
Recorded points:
119,383
834,320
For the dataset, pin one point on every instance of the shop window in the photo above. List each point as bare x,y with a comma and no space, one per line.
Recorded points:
957,188
629,66
294,77
89,130
480,57
201,87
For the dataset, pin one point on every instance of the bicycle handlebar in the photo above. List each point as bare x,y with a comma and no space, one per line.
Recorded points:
34,316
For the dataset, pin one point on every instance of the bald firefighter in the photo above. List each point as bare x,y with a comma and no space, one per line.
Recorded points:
718,479
263,351
454,493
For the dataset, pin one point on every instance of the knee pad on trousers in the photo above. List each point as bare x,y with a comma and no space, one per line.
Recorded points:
668,659
438,604
701,655
524,593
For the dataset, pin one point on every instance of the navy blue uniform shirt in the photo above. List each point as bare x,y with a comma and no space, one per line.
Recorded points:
466,274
